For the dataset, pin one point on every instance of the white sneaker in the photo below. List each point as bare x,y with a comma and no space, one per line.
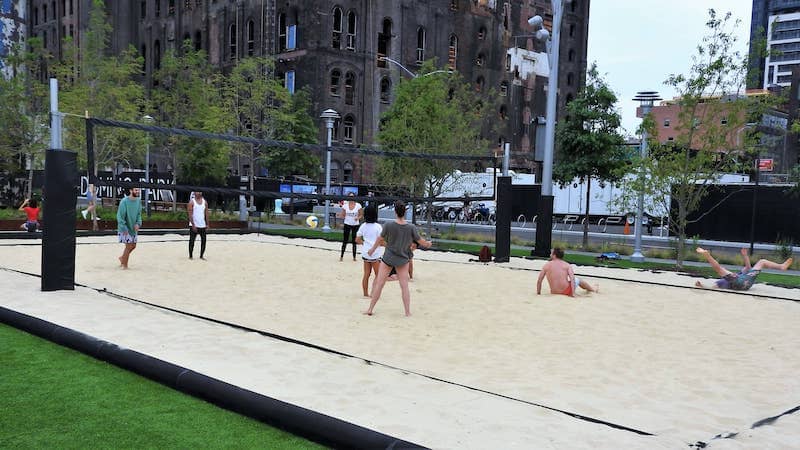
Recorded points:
84,213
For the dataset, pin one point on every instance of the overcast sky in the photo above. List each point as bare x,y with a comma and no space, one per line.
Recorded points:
637,44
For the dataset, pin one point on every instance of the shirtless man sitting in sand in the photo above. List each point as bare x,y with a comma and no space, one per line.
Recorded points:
745,278
561,276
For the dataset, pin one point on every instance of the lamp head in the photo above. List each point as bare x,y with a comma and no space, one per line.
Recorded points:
542,34
536,22
329,115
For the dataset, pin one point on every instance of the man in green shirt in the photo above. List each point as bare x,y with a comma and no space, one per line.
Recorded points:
129,219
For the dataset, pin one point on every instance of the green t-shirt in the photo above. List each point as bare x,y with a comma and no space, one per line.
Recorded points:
129,215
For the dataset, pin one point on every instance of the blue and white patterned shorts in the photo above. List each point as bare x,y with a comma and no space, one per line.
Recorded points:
127,238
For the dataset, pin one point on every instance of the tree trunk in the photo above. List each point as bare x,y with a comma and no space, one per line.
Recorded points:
586,216
681,228
30,176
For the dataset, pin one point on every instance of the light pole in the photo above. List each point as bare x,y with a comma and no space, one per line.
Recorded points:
329,116
544,229
645,99
147,119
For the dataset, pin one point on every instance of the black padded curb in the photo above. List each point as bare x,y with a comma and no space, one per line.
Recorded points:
303,422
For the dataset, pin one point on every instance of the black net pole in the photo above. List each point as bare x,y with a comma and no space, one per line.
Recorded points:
90,168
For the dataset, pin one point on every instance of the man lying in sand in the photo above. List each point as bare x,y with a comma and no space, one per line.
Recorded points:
743,280
561,276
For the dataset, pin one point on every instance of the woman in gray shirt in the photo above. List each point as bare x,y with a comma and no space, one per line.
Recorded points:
397,237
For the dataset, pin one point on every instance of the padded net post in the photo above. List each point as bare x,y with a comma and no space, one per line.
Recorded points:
502,239
58,238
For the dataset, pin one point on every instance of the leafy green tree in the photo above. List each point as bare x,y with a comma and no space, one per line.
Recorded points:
589,143
102,85
24,110
681,173
266,109
434,113
190,94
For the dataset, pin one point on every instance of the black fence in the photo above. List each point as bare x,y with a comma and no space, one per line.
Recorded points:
777,215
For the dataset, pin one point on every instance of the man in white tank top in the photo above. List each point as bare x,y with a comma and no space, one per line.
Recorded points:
198,222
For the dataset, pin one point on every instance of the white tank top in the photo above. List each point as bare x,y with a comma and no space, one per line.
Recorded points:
199,213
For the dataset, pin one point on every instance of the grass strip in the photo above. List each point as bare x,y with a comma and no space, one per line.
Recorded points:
54,397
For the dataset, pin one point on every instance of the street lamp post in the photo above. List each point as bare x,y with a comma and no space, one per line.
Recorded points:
329,116
645,99
147,119
544,229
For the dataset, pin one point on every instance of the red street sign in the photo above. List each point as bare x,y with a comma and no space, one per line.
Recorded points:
765,165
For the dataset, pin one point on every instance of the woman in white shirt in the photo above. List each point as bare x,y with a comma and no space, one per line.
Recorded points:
351,213
367,234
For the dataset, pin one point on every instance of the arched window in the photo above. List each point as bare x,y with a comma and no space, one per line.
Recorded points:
386,90
351,31
480,60
63,8
44,14
336,77
571,55
571,30
157,55
281,32
336,168
53,9
479,83
482,33
71,9
503,112
186,37
36,16
348,172
349,129
420,45
349,88
384,41
198,40
232,42
570,79
335,131
504,88
158,8
453,5
452,52
569,98
171,8
144,58
336,37
251,38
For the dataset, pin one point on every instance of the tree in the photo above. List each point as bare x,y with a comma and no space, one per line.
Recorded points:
190,95
104,86
433,113
24,111
589,144
265,109
712,115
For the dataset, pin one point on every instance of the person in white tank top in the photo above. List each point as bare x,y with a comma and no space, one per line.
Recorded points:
198,223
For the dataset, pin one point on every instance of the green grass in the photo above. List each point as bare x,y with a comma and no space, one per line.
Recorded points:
54,397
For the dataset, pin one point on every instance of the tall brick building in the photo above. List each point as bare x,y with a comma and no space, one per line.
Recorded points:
336,49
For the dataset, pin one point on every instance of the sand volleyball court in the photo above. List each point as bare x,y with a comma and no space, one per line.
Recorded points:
649,362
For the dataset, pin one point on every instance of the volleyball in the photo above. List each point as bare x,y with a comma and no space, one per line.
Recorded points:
312,221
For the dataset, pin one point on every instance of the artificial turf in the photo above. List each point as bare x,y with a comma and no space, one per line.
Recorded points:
55,397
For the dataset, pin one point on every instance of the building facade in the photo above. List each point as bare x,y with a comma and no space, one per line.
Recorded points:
351,54
777,22
12,31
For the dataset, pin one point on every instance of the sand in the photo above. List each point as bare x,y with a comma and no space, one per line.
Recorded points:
478,364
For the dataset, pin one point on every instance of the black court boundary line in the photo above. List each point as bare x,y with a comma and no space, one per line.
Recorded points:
312,425
756,424
347,355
